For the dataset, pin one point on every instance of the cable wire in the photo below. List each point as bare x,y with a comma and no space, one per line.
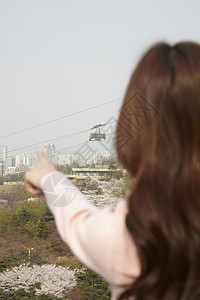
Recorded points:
54,139
57,119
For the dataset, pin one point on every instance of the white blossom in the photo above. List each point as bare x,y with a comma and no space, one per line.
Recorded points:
108,188
54,280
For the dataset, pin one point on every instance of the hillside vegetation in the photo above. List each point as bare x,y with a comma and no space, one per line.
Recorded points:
28,237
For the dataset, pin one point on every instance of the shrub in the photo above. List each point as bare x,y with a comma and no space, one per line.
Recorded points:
29,219
94,286
70,262
22,295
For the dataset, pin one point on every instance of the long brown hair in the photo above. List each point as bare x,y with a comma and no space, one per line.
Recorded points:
158,142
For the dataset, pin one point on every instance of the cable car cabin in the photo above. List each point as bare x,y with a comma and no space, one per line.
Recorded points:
97,135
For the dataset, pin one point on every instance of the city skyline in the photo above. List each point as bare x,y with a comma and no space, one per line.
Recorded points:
21,162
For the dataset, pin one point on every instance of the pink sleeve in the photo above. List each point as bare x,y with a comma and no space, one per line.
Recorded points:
98,237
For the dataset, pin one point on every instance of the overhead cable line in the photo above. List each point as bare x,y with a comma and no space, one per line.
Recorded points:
55,139
57,119
50,140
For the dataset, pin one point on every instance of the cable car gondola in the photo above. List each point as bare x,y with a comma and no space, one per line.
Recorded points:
97,135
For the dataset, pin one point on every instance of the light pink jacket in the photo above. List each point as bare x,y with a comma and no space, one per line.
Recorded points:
98,237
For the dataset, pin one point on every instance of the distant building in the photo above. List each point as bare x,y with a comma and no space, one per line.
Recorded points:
10,161
18,161
26,161
50,152
33,161
64,159
3,156
3,153
92,172
9,164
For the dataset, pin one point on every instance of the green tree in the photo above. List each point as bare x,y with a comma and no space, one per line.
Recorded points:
29,219
14,177
22,295
117,174
1,180
15,196
94,286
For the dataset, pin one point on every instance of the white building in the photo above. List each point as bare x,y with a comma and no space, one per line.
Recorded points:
3,153
18,161
64,159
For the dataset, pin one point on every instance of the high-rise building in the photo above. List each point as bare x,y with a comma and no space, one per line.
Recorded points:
50,152
18,160
3,153
3,156
53,153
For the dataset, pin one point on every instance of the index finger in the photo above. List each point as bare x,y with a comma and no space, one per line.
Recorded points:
42,155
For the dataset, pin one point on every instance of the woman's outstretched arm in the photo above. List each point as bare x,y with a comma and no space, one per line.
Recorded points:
98,237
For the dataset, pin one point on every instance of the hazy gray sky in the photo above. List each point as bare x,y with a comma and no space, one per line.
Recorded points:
59,57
